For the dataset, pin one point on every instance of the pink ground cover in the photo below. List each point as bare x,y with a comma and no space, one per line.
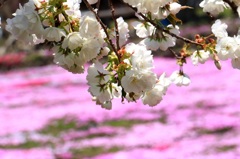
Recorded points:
201,121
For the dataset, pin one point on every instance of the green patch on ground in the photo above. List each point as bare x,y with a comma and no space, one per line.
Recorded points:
96,135
27,145
224,148
92,151
57,126
123,123
87,126
219,131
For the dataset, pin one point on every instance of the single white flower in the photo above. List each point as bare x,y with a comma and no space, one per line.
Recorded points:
123,31
138,82
72,41
155,95
143,30
97,74
90,27
226,48
98,80
214,7
180,79
200,56
175,7
141,58
54,34
162,42
68,61
90,49
219,29
73,8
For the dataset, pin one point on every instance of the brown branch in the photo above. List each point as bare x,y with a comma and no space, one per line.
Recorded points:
174,53
162,29
115,23
103,26
98,6
2,2
232,5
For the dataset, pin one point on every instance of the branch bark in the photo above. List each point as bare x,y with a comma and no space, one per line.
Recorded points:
2,2
232,5
162,29
115,23
103,26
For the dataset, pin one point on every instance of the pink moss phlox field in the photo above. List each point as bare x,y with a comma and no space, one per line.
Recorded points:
200,121
27,154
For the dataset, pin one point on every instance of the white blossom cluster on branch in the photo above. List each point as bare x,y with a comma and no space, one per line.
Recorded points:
78,38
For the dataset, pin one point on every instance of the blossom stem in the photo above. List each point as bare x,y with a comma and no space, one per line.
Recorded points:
115,23
174,53
67,19
103,26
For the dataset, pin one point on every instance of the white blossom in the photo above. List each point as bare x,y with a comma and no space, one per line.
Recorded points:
155,95
123,31
73,41
143,30
53,34
200,56
175,7
98,80
180,78
73,8
138,82
226,48
219,29
163,42
90,27
151,6
141,58
214,7
25,23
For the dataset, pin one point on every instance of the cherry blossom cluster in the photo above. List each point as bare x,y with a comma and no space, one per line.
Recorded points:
120,68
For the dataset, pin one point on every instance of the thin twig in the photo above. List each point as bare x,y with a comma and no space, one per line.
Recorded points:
115,23
98,6
162,29
103,26
174,53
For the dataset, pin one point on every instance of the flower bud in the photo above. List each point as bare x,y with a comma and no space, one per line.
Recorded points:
218,64
175,8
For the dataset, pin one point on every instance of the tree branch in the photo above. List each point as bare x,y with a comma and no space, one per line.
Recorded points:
115,23
2,2
232,5
103,26
162,29
98,6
